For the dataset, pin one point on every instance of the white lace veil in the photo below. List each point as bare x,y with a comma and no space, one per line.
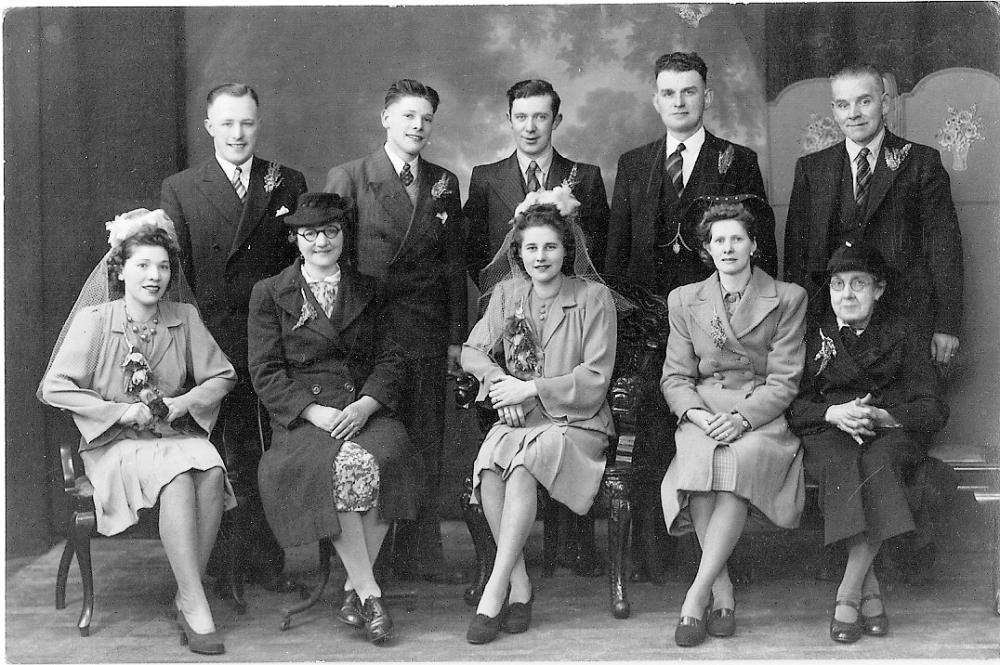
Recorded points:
96,289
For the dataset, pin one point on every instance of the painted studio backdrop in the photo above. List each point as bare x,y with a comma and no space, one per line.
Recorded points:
102,104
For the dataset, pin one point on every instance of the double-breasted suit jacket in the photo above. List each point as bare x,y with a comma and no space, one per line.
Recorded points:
750,363
862,487
722,169
226,246
909,217
298,360
495,191
416,250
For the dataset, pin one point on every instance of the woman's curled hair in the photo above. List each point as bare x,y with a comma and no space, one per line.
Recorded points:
545,214
149,236
717,213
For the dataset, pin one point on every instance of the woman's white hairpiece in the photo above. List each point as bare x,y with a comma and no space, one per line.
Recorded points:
561,197
129,223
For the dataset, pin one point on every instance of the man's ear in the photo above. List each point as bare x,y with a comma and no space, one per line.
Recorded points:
709,96
208,126
385,118
556,120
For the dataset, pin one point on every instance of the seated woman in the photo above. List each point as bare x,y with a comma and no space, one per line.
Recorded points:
866,410
558,336
340,464
733,362
143,379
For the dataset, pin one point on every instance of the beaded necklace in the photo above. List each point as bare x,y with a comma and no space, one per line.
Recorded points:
141,329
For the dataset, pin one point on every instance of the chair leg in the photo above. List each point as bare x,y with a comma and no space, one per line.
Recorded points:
550,534
233,546
618,485
482,541
325,555
63,572
994,519
84,524
586,563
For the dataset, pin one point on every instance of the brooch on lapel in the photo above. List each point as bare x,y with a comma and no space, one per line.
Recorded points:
726,159
572,179
718,332
272,178
308,313
826,352
894,157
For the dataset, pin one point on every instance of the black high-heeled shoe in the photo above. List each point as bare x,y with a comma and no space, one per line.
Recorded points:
518,618
722,622
876,625
691,631
845,632
209,644
484,629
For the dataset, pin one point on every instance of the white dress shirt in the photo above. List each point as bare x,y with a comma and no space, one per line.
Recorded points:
544,163
692,148
230,170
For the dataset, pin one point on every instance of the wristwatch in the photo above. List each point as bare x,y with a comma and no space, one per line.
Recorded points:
743,421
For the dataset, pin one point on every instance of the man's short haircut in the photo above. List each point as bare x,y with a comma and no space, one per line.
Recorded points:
681,61
233,90
411,88
859,69
533,88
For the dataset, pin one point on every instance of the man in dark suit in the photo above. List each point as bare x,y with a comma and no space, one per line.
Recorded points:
228,213
410,236
649,241
891,192
496,189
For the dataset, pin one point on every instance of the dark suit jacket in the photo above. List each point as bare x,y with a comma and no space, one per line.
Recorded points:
415,250
496,189
226,246
910,218
635,205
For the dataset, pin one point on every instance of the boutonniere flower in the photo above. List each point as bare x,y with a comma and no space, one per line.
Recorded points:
281,211
718,331
726,159
307,314
272,178
441,187
894,157
572,179
827,350
443,216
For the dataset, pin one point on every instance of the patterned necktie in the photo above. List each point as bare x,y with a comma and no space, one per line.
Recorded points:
864,179
533,169
675,169
241,191
326,294
406,176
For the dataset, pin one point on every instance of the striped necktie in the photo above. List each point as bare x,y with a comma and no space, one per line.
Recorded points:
675,169
532,183
241,191
863,180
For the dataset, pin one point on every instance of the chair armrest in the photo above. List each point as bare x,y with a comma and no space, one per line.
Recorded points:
69,470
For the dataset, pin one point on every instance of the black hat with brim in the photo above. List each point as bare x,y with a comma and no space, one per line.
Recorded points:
317,209
858,256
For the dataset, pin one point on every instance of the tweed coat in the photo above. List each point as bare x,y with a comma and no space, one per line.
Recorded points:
495,191
910,218
415,250
862,487
226,246
751,363
331,362
635,207
570,421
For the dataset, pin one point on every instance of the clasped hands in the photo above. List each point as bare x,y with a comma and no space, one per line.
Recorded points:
342,423
859,418
507,395
723,427
140,416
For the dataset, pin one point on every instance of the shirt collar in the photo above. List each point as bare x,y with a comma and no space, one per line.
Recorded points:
692,144
841,323
332,279
397,163
873,146
544,162
230,168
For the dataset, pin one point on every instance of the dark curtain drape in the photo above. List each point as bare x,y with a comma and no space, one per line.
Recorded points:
907,39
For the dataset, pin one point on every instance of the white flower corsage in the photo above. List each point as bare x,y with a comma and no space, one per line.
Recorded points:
726,159
441,187
572,180
272,178
443,216
129,223
308,313
718,331
281,211
827,350
894,156
561,197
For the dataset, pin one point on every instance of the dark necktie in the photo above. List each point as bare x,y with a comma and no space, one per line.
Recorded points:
406,176
532,183
241,191
675,169
863,180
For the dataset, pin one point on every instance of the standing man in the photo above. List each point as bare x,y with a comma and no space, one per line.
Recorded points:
649,243
228,213
410,236
894,194
496,189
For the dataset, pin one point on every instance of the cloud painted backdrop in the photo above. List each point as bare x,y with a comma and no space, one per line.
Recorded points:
322,74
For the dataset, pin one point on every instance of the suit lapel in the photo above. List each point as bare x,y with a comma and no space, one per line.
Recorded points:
291,289
510,186
705,172
883,176
219,191
759,299
388,190
557,314
420,220
256,204
656,167
352,298
709,313
558,171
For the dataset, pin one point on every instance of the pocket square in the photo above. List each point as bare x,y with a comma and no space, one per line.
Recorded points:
281,211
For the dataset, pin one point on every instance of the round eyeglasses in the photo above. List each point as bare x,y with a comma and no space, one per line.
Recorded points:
330,232
857,284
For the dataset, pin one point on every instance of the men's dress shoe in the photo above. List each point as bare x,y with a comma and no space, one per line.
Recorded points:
722,622
876,625
484,629
691,631
518,617
350,612
209,644
378,623
845,631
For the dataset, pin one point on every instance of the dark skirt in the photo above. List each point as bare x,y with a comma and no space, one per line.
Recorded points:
298,482
862,488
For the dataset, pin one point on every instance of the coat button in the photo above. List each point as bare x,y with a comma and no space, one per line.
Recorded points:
717,375
316,389
349,387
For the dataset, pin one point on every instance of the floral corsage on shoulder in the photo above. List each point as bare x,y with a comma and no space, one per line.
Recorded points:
525,355
827,351
439,190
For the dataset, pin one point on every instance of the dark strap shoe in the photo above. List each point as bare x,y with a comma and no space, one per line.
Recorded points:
876,625
722,622
350,612
690,631
845,632
378,623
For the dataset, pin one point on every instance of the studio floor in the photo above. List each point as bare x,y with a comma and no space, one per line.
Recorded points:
783,614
